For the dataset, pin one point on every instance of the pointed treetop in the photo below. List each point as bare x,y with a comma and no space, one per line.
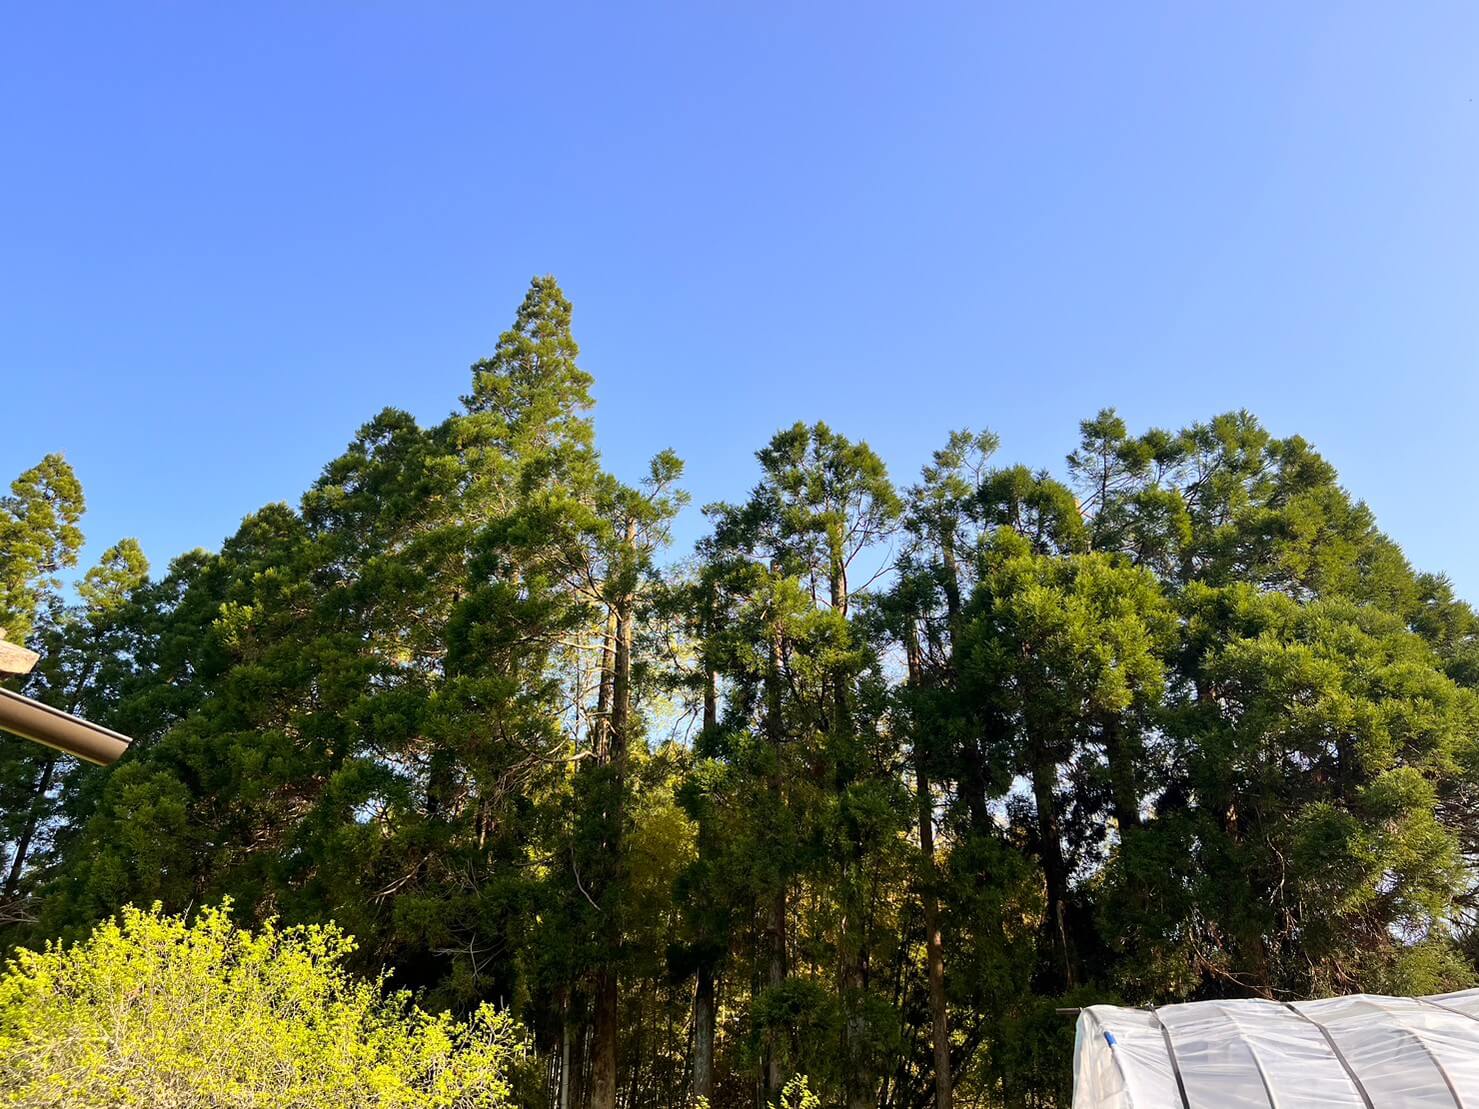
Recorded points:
39,537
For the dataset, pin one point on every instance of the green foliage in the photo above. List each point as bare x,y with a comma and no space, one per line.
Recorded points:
1179,722
150,1010
796,1094
38,538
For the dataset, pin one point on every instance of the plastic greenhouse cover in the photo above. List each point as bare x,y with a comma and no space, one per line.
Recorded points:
1358,1052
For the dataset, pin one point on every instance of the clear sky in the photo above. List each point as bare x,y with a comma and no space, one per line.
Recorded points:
230,233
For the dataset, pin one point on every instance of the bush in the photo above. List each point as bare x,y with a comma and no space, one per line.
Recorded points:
153,1011
796,1094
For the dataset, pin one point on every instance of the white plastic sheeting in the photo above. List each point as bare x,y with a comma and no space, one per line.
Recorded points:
1359,1052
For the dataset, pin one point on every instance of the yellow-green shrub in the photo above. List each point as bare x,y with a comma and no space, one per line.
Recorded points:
153,1011
796,1094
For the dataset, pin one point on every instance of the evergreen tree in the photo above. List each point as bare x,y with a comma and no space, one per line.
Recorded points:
863,790
39,538
85,664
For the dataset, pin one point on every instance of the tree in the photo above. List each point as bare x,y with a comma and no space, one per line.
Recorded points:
1319,859
1069,653
928,592
39,538
823,502
640,527
84,664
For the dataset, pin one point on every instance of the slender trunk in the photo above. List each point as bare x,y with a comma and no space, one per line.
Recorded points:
565,1066
33,820
1055,867
572,1033
775,925
933,943
841,712
711,699
638,1029
757,933
859,1080
703,1032
601,725
570,1051
606,1031
775,1076
1125,794
583,1072
621,689
703,990
934,947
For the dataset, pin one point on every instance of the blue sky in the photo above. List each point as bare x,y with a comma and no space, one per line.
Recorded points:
231,233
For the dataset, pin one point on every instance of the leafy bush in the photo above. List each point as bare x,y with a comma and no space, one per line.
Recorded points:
153,1011
796,1094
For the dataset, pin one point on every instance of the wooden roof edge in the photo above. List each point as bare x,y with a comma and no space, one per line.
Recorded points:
15,660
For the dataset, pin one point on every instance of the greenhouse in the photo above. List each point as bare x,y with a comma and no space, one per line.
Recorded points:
1361,1052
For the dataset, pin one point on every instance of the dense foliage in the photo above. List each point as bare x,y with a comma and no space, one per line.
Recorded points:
862,789
150,1011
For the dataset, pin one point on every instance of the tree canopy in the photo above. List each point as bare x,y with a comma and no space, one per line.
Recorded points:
861,788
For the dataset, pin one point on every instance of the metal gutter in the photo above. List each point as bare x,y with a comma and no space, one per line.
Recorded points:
71,734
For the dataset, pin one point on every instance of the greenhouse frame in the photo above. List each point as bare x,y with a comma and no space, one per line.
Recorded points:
1362,1052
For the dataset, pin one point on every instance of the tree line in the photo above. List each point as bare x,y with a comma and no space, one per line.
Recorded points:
863,787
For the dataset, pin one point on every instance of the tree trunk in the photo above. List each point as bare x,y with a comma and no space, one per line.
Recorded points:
933,943
565,1067
775,1076
841,709
571,1034
606,1030
859,1081
1125,794
775,925
703,990
934,947
601,726
33,819
703,1032
1055,867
